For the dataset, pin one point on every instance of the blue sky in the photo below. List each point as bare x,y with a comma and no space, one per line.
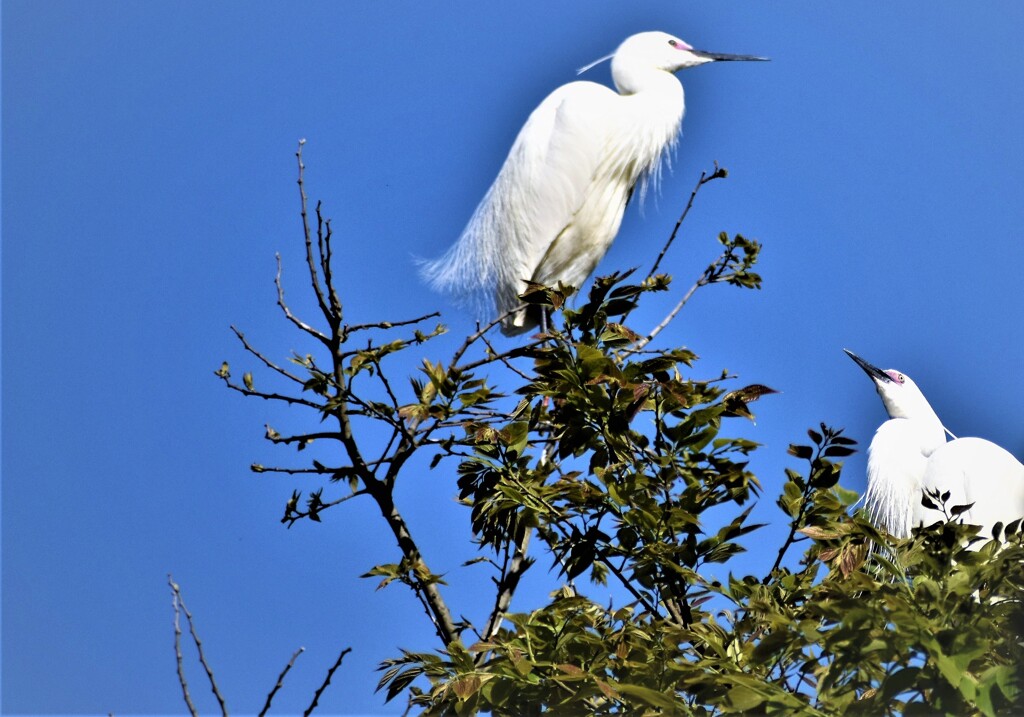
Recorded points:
149,178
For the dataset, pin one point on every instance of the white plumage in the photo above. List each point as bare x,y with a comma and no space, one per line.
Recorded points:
558,200
909,456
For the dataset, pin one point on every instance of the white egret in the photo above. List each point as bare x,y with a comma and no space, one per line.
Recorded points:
909,455
558,200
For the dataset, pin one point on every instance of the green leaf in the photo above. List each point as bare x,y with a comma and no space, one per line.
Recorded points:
647,695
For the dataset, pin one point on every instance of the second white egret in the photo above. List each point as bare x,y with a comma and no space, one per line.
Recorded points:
558,200
909,455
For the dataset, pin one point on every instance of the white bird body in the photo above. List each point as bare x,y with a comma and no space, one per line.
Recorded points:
558,200
897,459
909,456
981,474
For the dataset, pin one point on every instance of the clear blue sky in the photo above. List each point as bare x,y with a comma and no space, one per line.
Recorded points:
149,178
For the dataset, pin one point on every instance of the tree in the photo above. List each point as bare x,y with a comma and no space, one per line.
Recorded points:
610,457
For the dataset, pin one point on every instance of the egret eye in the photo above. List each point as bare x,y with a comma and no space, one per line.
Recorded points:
673,43
899,377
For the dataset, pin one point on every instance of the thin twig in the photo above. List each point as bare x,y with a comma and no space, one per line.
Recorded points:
327,681
280,681
295,515
177,647
307,235
504,358
266,396
324,247
199,646
473,338
667,320
704,179
507,584
273,437
267,362
288,312
393,324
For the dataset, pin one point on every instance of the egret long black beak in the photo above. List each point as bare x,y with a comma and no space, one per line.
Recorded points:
720,57
873,372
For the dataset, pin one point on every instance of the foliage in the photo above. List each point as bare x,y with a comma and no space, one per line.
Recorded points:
615,459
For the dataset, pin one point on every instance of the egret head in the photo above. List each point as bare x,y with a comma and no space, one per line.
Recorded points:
900,395
661,51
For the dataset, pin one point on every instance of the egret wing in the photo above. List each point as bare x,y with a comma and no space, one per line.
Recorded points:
981,473
547,176
538,190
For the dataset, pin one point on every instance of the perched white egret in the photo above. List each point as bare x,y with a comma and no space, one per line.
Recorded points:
909,455
558,200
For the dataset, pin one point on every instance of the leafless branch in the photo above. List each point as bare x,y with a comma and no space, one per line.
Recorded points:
266,396
332,320
504,358
393,324
274,437
267,362
280,681
511,573
668,319
288,312
199,645
473,338
323,236
177,648
293,514
704,179
327,681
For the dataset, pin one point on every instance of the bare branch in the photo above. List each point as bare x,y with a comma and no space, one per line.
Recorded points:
293,514
327,681
199,645
473,338
177,647
504,358
668,319
393,324
280,681
704,179
274,437
323,238
267,396
288,312
507,584
307,234
267,362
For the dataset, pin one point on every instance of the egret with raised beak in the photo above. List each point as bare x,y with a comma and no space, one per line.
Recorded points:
558,200
909,455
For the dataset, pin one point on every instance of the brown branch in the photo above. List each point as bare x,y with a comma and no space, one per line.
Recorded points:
273,436
267,396
327,681
392,324
199,645
177,647
507,584
504,358
704,179
280,680
267,362
473,338
293,514
307,235
288,312
323,240
668,319
440,614
711,275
